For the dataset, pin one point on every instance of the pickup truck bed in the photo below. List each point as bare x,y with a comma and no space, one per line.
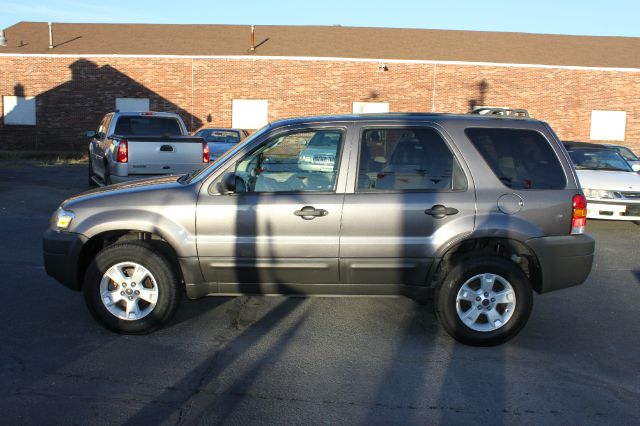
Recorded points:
151,156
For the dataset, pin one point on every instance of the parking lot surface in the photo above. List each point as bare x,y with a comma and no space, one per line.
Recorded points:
275,360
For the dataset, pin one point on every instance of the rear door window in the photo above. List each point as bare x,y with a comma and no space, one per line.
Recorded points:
520,158
407,159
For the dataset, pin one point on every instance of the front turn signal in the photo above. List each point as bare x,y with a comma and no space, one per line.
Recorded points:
64,219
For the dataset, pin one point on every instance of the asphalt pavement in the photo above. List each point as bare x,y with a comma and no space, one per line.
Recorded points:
279,360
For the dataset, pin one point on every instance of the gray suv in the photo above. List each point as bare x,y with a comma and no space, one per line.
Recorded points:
481,211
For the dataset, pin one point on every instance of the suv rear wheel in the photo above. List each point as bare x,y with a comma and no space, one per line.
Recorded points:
484,301
130,288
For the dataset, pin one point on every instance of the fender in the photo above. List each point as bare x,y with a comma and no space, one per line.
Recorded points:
174,233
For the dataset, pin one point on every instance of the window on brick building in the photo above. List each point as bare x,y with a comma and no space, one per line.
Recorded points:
370,107
249,113
132,104
19,110
608,125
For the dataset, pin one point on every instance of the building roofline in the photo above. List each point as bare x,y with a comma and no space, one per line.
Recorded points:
320,59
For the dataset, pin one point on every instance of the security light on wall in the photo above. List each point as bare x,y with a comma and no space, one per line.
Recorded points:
382,67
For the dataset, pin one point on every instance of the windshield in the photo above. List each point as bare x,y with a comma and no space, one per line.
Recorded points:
626,153
598,159
190,177
219,135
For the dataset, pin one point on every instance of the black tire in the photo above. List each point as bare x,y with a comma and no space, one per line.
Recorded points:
447,293
107,174
166,283
91,175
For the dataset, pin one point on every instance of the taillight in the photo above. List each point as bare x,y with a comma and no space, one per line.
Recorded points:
579,214
123,152
206,153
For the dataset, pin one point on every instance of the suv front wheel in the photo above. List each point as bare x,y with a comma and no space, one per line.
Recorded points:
130,288
484,301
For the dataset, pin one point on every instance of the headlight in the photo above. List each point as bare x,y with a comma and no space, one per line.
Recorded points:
599,193
63,219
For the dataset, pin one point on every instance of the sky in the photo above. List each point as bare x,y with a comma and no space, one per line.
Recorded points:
585,17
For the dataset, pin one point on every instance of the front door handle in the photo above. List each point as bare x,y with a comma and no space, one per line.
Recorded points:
310,212
439,211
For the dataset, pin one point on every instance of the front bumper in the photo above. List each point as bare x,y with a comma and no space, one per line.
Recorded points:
613,210
61,251
565,261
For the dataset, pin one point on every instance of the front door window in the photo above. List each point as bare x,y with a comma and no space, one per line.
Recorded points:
303,161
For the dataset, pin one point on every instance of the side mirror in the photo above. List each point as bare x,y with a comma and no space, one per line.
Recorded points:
635,167
227,184
91,134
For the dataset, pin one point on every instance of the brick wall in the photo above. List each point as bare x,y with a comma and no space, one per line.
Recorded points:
74,93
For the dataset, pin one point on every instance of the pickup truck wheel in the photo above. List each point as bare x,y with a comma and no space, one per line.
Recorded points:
484,301
91,175
131,288
107,174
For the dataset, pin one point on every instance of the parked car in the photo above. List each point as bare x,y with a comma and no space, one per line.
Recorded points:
481,210
221,140
320,152
134,145
628,155
610,184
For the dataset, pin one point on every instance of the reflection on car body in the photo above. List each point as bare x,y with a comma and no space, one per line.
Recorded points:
319,153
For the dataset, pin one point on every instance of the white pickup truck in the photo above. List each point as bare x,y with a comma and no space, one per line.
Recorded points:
133,145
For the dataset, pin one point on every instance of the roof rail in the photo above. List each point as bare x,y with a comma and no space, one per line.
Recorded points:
508,112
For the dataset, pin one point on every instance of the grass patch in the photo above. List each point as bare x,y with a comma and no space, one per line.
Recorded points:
42,158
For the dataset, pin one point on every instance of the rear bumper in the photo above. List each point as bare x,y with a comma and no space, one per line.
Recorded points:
126,172
565,261
613,211
61,251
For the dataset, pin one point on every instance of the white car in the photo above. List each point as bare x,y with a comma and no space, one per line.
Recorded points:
611,186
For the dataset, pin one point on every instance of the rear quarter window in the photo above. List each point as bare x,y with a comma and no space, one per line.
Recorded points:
520,158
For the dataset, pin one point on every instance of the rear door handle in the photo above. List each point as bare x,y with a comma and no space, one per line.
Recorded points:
439,211
166,148
310,212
